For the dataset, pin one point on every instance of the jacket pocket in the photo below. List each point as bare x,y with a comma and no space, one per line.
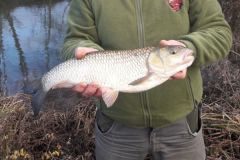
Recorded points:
103,124
194,121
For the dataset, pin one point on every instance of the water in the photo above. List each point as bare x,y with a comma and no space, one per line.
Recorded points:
31,36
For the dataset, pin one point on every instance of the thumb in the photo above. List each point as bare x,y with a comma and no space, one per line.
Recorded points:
163,43
170,42
80,52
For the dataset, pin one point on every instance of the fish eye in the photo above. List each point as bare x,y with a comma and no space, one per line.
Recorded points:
173,52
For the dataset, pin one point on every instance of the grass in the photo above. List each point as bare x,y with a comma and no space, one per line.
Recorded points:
221,111
55,134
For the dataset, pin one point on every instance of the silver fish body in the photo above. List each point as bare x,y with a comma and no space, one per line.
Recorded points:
111,69
120,71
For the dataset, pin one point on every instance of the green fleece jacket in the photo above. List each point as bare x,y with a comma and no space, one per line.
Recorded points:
128,24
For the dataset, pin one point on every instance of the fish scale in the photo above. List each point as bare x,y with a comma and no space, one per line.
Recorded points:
128,71
119,68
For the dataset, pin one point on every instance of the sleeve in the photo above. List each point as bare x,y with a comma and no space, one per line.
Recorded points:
210,35
81,29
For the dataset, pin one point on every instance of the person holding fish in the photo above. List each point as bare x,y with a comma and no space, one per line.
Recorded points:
163,120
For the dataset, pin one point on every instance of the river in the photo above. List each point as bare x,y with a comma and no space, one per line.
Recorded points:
31,37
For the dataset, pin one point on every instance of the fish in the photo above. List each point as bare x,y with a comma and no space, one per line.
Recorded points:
129,71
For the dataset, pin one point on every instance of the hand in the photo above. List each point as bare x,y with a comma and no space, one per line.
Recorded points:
80,52
86,89
181,74
170,42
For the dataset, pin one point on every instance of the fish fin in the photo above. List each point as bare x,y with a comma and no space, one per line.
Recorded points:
150,81
37,101
109,97
63,84
140,80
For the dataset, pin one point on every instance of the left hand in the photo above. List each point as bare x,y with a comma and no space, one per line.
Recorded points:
181,74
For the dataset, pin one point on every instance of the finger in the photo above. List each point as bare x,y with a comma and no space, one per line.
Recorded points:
79,87
180,75
170,42
90,90
98,93
163,43
176,76
80,52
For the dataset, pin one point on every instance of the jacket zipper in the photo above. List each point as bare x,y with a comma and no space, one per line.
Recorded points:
140,23
141,43
191,92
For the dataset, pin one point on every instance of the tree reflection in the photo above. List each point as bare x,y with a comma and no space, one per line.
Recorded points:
16,3
22,61
14,36
48,27
3,75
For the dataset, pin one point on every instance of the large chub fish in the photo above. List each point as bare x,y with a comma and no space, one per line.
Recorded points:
120,71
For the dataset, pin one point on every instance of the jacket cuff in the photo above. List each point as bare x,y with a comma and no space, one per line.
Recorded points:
90,45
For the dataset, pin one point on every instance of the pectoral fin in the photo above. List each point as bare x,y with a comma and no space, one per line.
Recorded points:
144,84
140,80
109,97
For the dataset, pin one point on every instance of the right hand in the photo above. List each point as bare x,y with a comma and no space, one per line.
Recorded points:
86,89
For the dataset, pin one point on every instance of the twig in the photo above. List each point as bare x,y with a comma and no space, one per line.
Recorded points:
238,54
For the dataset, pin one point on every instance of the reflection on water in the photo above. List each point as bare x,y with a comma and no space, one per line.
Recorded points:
31,36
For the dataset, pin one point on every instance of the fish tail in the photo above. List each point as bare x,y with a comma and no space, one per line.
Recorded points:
37,101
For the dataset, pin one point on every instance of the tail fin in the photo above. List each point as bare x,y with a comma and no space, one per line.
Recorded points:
37,101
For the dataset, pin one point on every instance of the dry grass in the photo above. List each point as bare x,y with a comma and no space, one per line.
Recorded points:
58,133
222,132
221,111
